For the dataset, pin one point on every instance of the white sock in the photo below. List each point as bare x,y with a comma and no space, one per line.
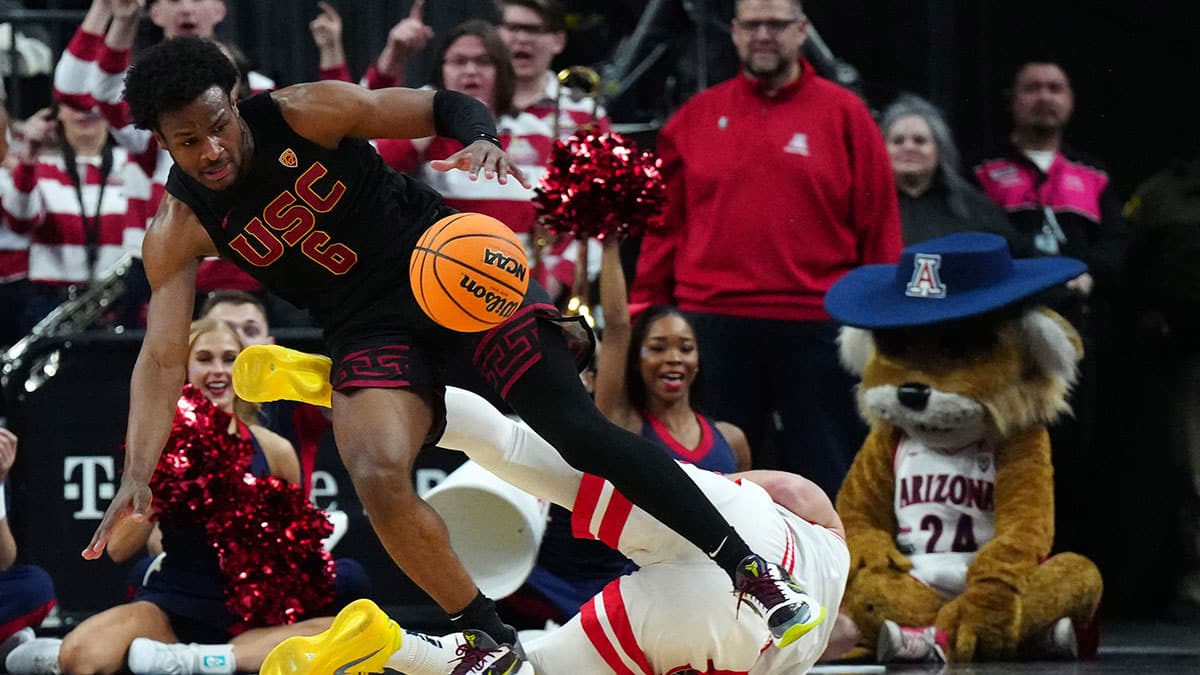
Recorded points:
508,449
212,659
421,654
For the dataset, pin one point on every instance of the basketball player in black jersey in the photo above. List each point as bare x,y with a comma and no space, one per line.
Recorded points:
284,185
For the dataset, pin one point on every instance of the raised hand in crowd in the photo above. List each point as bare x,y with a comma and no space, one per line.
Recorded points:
126,14
326,30
406,38
126,9
38,132
98,15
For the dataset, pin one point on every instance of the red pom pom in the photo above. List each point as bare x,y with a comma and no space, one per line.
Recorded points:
268,537
272,554
600,186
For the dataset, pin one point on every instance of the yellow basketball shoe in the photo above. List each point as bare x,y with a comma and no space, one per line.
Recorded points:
264,373
361,640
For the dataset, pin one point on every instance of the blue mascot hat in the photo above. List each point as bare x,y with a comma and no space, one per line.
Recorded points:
951,277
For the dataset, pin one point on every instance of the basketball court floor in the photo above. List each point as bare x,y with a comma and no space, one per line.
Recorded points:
1157,648
1128,647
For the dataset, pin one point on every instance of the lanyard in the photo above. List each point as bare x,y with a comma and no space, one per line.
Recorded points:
1048,240
91,226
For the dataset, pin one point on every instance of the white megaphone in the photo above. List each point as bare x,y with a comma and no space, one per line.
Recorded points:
495,528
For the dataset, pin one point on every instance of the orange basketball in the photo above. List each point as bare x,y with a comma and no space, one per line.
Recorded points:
469,272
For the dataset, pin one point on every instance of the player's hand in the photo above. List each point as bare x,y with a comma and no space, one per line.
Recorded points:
483,156
131,501
8,452
326,29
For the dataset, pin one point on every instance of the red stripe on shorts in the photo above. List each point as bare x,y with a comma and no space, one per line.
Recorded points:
590,619
618,618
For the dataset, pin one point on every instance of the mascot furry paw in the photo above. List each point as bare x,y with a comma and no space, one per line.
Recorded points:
949,505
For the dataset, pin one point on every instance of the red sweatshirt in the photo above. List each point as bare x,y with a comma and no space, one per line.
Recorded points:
771,199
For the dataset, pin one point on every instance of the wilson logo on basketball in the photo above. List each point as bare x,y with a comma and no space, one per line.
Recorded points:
504,263
494,303
288,159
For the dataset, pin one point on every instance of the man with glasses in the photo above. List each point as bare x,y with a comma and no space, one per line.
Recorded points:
535,32
780,183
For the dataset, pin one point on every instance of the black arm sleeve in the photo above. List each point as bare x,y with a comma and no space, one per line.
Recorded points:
463,118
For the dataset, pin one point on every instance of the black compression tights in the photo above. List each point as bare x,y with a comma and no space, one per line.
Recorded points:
552,400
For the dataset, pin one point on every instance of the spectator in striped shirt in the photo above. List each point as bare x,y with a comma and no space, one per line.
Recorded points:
91,74
524,100
471,59
66,194
535,32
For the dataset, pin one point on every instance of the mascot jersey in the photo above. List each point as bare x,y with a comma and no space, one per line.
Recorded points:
945,510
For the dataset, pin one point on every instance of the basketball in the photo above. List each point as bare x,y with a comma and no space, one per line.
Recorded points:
469,272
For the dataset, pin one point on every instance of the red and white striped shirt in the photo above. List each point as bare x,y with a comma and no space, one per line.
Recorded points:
575,112
14,247
92,74
42,201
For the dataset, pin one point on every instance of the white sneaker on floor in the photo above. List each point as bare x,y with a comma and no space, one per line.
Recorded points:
38,656
13,641
1059,641
901,643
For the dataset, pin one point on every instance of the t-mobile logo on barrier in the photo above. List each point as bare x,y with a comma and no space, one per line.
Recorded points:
94,485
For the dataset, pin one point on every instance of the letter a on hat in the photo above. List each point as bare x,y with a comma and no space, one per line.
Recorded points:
925,282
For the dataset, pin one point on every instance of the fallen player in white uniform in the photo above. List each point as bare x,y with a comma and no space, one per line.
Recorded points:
674,615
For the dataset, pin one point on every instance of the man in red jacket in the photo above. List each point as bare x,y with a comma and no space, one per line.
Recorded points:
779,183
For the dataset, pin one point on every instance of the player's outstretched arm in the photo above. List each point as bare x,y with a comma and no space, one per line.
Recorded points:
326,112
174,243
